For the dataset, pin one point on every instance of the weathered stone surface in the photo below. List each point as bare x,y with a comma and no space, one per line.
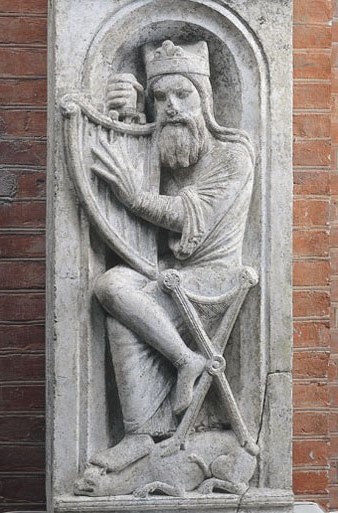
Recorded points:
166,370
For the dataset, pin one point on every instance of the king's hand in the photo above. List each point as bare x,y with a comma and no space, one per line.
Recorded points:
125,98
113,164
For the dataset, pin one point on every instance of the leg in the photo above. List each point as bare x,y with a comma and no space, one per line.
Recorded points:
143,377
209,485
123,293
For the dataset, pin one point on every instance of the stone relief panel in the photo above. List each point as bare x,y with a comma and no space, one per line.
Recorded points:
165,164
173,301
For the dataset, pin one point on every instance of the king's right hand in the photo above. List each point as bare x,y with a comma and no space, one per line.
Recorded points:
125,97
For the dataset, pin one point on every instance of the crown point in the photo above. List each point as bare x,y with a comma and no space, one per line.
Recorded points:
172,59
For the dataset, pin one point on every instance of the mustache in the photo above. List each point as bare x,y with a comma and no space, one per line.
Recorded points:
184,119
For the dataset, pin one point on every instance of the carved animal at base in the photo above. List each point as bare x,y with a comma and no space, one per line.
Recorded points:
212,460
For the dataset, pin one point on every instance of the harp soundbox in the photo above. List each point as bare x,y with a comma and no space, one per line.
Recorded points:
133,239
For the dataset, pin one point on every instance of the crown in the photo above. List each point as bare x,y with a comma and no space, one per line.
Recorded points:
171,59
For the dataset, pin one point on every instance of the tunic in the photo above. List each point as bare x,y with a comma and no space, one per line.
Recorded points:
216,196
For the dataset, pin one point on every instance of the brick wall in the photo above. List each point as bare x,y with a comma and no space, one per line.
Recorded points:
22,251
316,251
22,220
312,210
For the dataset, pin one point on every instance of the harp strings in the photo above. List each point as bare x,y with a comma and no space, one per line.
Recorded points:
141,236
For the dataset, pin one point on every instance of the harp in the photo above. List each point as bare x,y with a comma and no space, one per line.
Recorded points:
133,239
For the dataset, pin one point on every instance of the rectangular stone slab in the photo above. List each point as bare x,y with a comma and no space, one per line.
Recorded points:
253,501
250,56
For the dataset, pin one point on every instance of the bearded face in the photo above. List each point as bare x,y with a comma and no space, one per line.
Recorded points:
181,130
181,141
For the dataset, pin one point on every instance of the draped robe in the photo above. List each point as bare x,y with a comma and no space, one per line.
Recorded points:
216,195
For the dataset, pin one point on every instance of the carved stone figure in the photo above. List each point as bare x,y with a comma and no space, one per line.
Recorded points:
210,460
180,187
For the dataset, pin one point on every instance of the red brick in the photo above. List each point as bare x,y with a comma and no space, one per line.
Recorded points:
22,428
22,246
334,130
24,6
21,123
312,11
22,307
334,183
15,30
310,481
334,209
334,260
334,338
334,166
311,182
334,80
333,370
22,488
22,338
23,214
311,96
32,185
22,458
311,64
309,212
334,447
332,470
335,31
22,184
310,395
334,103
310,452
311,303
23,152
310,423
20,398
311,243
333,395
20,62
22,367
311,334
310,364
311,36
311,272
334,55
22,275
334,290
333,497
311,125
312,153
31,91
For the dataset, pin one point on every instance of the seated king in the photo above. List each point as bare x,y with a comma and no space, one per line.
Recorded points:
206,180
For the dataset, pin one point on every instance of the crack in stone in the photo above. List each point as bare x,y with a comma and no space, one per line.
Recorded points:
239,506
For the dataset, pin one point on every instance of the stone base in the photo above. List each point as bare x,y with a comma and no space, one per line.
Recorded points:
254,501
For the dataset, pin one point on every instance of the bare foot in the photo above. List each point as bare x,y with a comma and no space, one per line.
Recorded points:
186,377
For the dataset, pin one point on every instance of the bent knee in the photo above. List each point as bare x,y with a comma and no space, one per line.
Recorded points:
108,286
116,285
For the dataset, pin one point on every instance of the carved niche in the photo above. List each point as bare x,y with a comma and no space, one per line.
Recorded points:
164,179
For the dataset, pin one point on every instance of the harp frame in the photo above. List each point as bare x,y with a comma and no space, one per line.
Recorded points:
73,106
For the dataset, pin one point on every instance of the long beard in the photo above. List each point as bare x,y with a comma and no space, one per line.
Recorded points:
181,141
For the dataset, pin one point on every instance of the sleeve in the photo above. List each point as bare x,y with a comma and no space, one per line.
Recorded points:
210,199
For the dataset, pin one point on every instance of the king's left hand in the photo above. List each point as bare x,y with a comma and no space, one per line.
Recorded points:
124,176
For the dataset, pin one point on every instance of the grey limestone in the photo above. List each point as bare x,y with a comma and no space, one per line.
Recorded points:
169,228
